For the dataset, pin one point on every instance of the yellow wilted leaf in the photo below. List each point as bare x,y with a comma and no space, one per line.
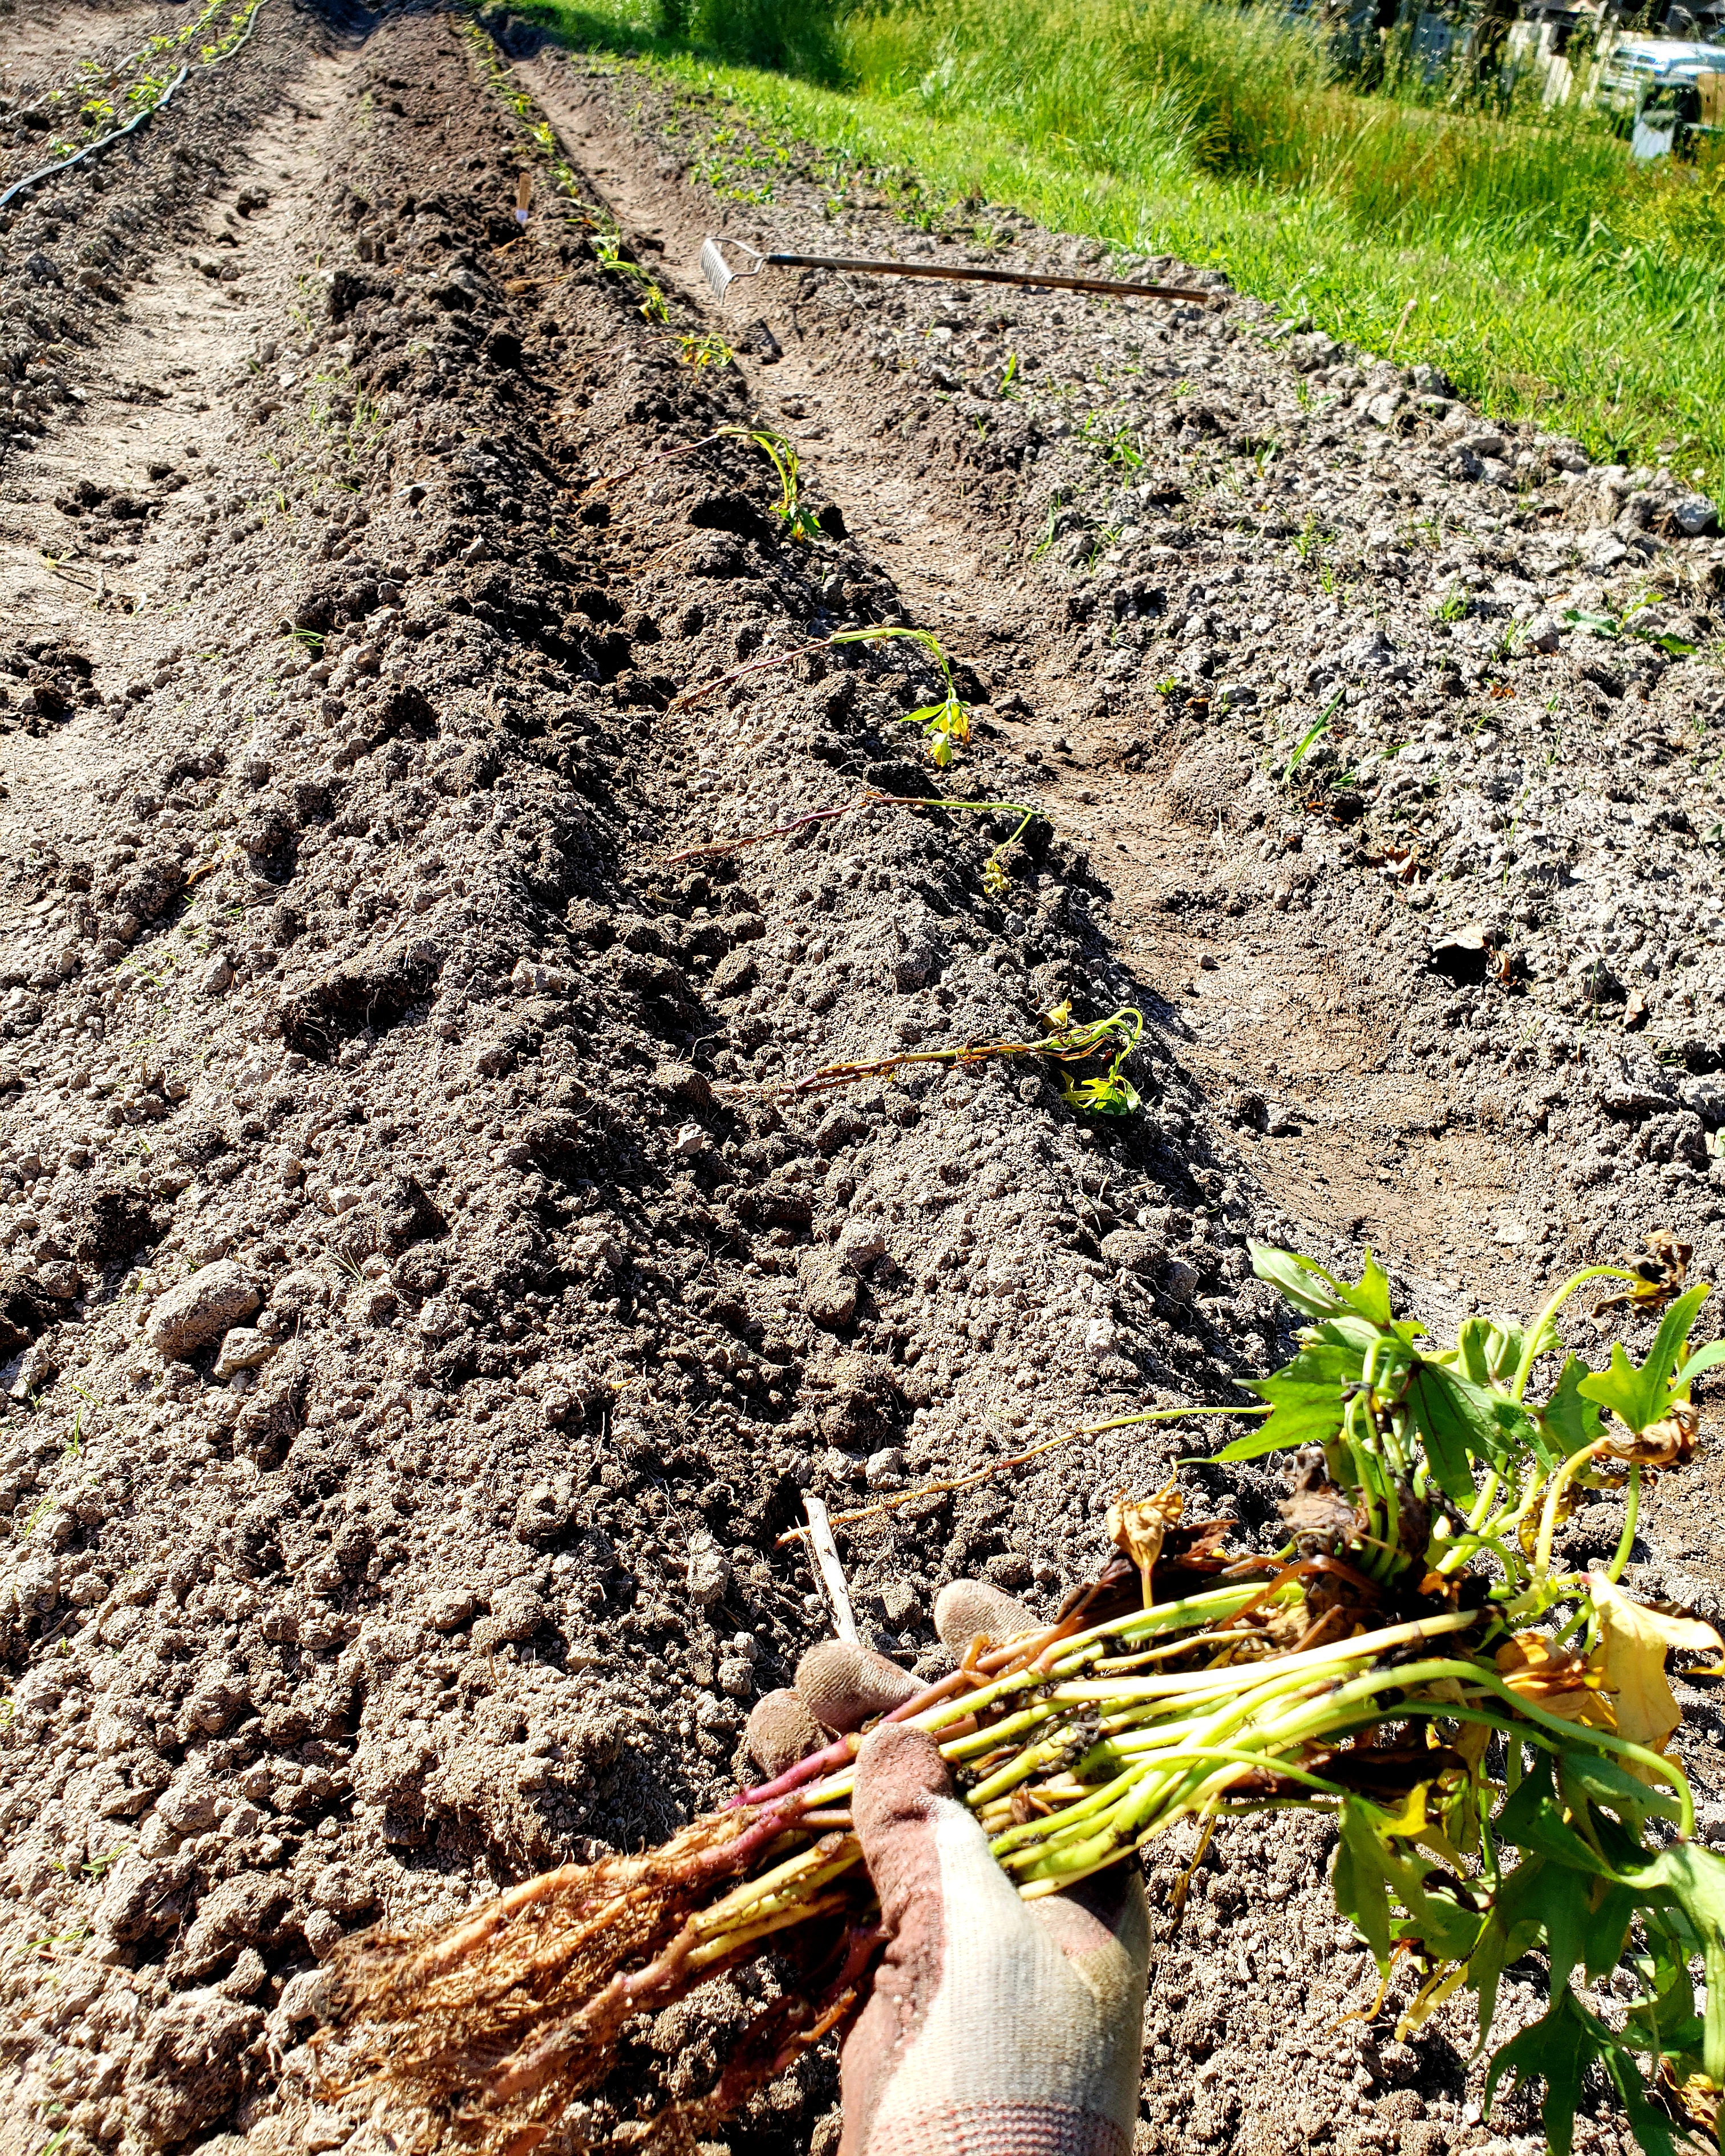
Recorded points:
1555,1680
1634,1648
1408,1817
1432,1995
1137,1525
1667,1442
1700,2101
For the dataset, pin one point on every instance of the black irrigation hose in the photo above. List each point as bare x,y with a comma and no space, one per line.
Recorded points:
106,141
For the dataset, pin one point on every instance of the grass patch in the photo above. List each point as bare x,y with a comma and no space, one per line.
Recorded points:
1543,272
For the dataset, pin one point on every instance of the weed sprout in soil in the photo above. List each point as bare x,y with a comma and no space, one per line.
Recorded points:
1488,1730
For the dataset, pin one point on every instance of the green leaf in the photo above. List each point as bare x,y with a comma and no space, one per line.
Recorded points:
1512,1926
1446,1413
1563,1914
1305,1414
1110,1095
1470,1347
1653,2130
1606,1783
1569,1421
1447,1931
1458,1423
1489,1348
1664,2018
1329,1357
1504,1342
1639,1396
1347,1330
1558,2049
1359,1880
1704,1358
1696,1878
1298,1280
1586,1921
1370,1297
1534,1820
1307,1395
1607,1930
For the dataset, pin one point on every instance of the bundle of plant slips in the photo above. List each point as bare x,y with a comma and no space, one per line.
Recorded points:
1488,1730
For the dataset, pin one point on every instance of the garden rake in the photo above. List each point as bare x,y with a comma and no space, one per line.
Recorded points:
720,276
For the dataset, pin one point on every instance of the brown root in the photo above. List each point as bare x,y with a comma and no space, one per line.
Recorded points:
831,1972
490,2027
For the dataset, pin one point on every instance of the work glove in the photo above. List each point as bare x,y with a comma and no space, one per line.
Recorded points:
996,2026
840,1687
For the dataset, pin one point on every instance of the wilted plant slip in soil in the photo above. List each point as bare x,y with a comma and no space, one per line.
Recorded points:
996,881
944,723
1068,1041
1488,1728
798,519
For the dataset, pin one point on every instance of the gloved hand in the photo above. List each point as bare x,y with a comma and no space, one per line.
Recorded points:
838,1686
997,2026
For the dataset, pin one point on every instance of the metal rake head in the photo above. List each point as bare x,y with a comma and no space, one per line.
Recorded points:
718,272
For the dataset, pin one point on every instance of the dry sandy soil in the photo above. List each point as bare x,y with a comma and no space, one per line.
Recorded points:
419,1323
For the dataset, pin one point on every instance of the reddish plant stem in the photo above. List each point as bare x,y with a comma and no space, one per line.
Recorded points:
603,480
838,1753
742,673
760,838
747,1845
1295,1571
868,799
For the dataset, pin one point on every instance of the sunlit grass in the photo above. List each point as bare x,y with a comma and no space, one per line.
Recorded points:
1533,262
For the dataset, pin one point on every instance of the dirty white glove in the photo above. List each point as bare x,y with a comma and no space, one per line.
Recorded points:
840,1687
997,2026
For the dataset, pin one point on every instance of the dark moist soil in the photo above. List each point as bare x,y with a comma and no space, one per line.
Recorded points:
418,1336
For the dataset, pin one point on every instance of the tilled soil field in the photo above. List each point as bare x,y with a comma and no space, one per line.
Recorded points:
421,1321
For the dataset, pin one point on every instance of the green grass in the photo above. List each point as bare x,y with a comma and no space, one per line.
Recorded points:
1533,264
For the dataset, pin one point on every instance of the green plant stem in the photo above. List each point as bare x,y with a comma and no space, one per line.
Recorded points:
1538,1344
1578,1463
1626,1541
1066,1853
1463,1551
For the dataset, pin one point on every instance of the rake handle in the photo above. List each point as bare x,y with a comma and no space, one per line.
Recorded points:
971,276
